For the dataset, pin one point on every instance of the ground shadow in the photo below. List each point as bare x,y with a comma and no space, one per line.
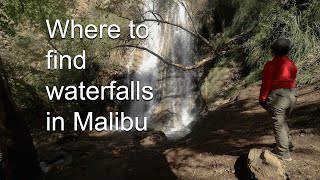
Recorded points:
237,127
115,156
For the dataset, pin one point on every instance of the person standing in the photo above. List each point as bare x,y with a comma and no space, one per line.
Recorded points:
278,94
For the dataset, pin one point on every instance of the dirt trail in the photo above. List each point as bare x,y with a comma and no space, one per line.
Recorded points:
208,153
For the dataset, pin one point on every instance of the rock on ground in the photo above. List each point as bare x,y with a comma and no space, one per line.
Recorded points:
265,165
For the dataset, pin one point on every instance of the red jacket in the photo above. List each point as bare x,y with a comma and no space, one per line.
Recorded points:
281,72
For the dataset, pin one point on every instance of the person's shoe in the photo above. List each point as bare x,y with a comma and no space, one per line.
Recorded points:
289,159
291,147
281,157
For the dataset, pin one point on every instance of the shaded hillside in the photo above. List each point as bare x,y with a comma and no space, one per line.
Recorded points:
258,23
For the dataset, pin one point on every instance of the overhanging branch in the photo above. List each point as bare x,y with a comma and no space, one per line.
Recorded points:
189,15
166,61
238,39
195,34
181,27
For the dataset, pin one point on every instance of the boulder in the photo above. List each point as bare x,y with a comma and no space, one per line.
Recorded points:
154,139
265,165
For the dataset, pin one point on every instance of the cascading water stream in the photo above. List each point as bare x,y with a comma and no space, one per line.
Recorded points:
174,106
147,72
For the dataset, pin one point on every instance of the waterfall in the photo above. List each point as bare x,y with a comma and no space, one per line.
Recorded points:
174,106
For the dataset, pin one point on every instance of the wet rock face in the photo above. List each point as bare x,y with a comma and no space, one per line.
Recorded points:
176,92
265,165
178,97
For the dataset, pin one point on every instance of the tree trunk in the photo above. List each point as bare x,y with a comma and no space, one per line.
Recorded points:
20,157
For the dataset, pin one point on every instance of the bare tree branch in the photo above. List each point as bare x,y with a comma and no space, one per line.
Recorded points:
155,15
159,19
181,27
228,47
166,61
55,47
62,53
190,17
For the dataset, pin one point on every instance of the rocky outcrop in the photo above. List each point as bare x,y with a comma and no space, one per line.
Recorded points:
265,165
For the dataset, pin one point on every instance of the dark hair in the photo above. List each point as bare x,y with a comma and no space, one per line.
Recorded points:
281,47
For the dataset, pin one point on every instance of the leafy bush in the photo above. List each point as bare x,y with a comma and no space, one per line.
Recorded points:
270,20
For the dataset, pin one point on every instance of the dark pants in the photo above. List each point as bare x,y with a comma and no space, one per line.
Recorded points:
280,103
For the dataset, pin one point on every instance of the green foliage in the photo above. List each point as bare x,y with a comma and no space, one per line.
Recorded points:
218,81
250,14
270,20
24,47
304,39
35,10
5,22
